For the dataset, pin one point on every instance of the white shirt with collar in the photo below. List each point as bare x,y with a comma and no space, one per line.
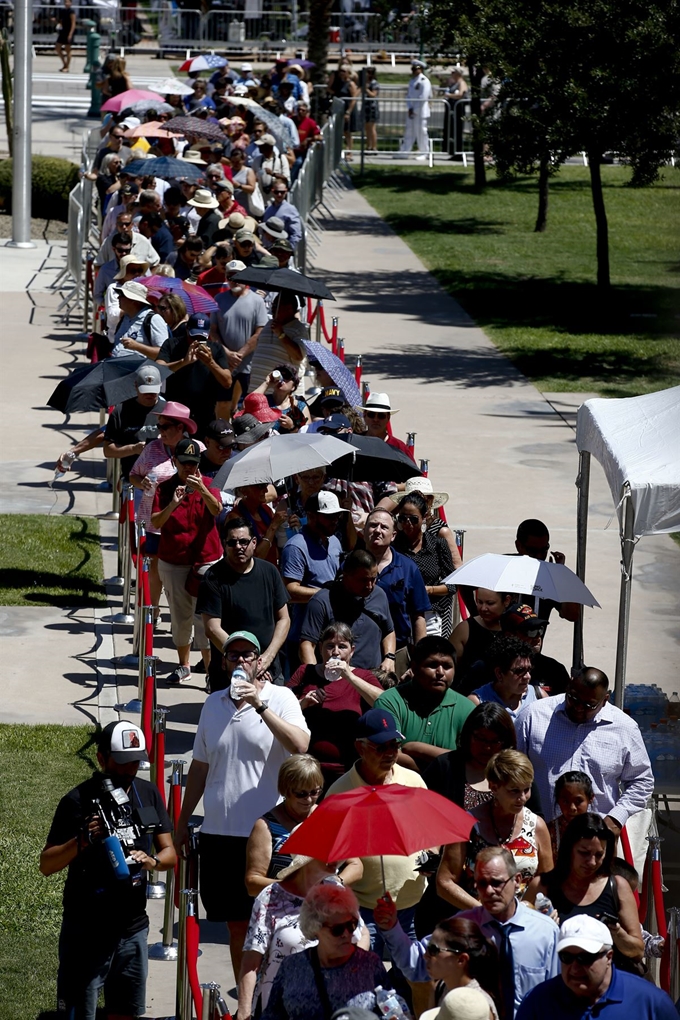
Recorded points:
243,758
609,749
420,89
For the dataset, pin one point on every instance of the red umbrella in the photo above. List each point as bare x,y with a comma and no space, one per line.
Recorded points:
120,102
374,821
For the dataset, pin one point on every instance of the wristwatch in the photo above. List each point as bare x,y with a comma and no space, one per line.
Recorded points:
262,708
389,655
158,863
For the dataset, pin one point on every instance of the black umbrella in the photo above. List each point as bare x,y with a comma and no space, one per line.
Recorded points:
376,461
107,383
284,279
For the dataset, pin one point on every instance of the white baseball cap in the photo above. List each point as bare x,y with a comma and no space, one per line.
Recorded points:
584,932
123,741
324,503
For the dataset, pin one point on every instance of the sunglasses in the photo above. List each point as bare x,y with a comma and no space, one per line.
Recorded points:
536,632
244,656
122,251
408,519
376,414
279,192
337,930
520,670
494,883
589,705
307,794
241,542
585,959
168,425
432,950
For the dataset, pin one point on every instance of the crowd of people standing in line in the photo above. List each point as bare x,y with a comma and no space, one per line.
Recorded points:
324,616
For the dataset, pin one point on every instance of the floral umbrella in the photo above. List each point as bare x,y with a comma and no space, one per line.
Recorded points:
194,297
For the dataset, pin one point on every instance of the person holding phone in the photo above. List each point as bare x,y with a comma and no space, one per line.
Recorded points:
184,508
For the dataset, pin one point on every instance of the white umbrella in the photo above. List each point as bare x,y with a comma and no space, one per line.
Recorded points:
523,575
171,87
279,457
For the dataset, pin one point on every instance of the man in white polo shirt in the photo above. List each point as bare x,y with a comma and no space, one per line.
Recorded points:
240,744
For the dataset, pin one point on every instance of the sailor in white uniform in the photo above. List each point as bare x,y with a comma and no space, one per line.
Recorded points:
418,96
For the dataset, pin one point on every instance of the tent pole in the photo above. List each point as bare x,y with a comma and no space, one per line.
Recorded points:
583,485
627,550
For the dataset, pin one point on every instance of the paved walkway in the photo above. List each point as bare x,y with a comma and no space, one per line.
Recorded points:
503,451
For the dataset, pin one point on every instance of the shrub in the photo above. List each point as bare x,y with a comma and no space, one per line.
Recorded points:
52,180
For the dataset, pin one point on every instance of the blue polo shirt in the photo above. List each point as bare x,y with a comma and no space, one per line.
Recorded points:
403,584
312,563
627,998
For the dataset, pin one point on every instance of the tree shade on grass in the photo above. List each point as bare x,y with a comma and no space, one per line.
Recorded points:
535,293
50,561
38,765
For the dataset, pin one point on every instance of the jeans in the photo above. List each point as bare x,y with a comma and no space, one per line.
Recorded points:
87,964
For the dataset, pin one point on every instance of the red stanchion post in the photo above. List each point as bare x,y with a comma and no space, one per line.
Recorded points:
411,443
357,371
149,703
334,335
310,312
645,891
158,771
424,464
365,391
341,349
193,940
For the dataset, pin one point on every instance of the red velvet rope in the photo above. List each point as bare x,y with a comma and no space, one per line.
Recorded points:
193,937
159,758
147,714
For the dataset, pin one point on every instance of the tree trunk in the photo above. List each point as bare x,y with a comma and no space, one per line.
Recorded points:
543,195
603,279
476,75
317,38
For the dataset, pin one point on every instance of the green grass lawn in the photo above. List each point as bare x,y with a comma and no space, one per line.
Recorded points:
38,765
535,294
54,561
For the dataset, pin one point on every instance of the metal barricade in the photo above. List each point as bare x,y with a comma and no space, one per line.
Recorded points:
47,19
365,30
390,113
262,29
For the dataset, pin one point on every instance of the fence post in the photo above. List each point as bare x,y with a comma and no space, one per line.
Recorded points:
674,988
125,554
411,443
341,349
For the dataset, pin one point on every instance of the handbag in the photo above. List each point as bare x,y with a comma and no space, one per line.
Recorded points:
256,203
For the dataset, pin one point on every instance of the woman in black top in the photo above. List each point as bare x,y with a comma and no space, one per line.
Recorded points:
581,883
473,638
432,556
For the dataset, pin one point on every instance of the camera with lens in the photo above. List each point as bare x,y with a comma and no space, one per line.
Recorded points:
123,826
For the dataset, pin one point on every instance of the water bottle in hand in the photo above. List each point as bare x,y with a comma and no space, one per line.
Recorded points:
238,679
391,1005
333,670
67,460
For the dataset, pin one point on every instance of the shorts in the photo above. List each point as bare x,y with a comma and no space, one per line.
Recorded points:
88,963
222,869
152,541
183,618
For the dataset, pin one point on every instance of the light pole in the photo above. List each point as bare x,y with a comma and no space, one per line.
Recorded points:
21,157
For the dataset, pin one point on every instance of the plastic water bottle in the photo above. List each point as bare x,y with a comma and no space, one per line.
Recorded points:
674,706
67,460
238,678
391,1005
332,670
543,904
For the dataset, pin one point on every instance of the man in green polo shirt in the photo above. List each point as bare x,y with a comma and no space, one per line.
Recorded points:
428,712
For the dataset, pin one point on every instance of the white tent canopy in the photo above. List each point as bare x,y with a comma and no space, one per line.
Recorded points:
637,442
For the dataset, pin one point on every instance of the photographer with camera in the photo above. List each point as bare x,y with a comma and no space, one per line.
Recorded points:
103,831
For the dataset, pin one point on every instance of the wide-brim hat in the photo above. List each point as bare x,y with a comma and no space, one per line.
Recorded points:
135,292
203,199
299,861
173,409
130,260
258,405
249,430
380,402
193,156
424,486
275,227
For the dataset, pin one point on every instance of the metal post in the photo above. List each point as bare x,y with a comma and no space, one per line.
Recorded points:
424,464
115,483
627,550
181,942
411,442
167,948
147,669
187,1002
156,889
674,989
583,485
319,306
364,75
365,390
21,151
341,349
124,560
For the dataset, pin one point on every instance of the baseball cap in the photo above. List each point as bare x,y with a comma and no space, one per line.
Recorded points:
244,235
282,245
148,379
242,635
123,741
522,618
266,139
221,431
335,422
198,325
584,932
460,1004
324,503
331,394
246,67
187,451
235,266
130,189
377,726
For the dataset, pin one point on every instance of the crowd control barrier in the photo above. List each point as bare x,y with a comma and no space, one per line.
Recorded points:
166,949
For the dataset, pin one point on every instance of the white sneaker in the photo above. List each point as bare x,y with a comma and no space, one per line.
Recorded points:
421,159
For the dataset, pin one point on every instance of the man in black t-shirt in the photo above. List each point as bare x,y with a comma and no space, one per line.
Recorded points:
242,592
201,378
104,928
121,436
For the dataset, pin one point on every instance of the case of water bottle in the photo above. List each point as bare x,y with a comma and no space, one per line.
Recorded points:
659,720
